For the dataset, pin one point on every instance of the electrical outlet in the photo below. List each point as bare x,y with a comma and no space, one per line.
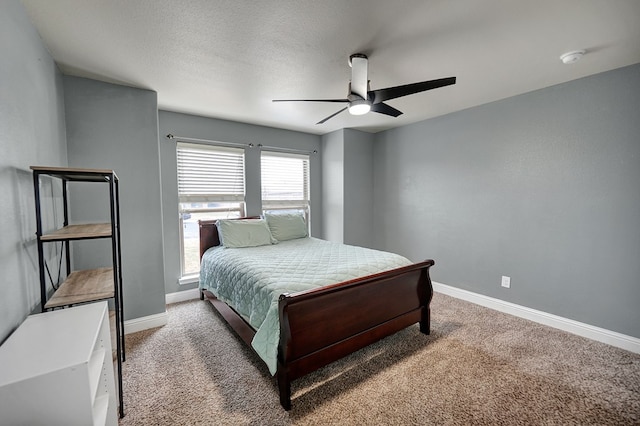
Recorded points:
506,282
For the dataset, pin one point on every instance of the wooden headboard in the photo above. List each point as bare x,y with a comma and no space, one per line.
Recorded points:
209,233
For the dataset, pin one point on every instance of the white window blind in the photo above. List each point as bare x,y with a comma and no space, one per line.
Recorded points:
209,173
285,178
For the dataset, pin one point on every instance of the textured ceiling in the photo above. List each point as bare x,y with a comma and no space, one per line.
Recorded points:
229,59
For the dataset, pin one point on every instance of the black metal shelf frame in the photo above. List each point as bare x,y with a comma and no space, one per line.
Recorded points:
67,175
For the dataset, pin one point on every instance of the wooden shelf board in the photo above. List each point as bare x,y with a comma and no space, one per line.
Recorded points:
76,232
83,286
70,173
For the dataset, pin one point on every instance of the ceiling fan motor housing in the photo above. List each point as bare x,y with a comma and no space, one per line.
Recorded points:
359,77
356,55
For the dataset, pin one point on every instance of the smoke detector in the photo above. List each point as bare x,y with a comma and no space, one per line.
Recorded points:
571,57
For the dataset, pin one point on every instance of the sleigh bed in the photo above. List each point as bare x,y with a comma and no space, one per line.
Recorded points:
317,326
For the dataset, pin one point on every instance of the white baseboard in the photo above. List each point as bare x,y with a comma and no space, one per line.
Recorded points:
181,296
158,320
581,329
144,323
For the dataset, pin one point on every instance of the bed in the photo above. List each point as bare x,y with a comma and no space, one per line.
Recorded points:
314,319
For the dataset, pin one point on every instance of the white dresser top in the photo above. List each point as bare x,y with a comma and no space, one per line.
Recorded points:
58,339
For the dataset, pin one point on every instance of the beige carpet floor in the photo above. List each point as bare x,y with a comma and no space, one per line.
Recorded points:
478,367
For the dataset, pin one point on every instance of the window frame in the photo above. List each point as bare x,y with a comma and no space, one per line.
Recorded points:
303,204
186,277
204,198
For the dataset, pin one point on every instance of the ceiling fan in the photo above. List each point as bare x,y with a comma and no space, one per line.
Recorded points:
361,100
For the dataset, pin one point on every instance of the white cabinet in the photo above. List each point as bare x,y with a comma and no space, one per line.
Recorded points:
57,369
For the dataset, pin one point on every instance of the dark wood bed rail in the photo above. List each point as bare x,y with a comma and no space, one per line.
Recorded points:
322,325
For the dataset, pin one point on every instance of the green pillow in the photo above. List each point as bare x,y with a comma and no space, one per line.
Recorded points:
287,226
244,233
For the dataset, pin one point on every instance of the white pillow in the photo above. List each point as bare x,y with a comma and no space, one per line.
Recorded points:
287,226
244,233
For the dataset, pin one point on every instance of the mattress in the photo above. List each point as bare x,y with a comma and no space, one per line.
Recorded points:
251,279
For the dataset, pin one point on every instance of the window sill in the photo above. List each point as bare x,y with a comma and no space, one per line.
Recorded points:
189,279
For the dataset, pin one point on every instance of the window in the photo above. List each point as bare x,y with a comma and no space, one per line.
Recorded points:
285,182
210,186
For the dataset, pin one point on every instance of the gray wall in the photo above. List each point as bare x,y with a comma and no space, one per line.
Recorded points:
542,187
191,126
347,187
32,133
358,188
116,127
333,186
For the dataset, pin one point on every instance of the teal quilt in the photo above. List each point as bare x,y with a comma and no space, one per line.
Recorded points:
251,279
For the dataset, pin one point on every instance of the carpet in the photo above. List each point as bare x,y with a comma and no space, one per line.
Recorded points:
477,367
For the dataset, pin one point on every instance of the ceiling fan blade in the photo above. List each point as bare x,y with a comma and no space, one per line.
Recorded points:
383,108
359,78
382,95
310,100
331,116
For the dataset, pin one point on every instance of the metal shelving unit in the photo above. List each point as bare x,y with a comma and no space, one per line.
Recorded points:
84,286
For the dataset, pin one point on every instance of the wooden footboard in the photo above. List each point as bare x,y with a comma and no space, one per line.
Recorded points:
323,325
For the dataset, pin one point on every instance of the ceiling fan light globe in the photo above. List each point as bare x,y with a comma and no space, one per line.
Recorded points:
359,107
